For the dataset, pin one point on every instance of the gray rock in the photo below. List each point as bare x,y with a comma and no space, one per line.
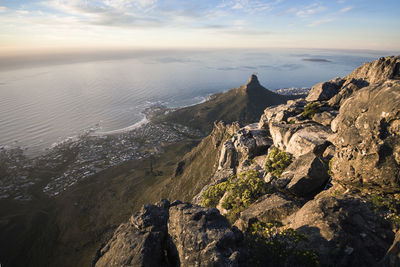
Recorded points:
346,91
325,90
377,71
335,226
270,208
325,118
228,156
174,234
307,175
203,237
281,113
140,242
368,139
300,139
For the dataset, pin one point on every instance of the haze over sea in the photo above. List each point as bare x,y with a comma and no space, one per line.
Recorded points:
46,99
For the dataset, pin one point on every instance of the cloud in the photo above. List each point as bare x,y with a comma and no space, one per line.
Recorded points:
3,8
319,22
249,6
310,10
346,9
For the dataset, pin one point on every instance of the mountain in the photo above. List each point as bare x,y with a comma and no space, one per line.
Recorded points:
314,183
244,104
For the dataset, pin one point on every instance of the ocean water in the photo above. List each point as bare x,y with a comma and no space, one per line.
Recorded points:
46,100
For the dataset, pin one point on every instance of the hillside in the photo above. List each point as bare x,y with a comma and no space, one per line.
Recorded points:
244,104
314,183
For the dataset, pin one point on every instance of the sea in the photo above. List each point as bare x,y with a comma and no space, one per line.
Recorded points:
45,99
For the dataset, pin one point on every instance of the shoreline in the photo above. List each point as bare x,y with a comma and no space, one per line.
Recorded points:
134,126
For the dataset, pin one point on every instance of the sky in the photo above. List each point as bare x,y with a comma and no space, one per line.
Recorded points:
44,25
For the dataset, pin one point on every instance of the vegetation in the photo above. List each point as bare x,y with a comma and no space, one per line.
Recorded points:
273,247
389,206
330,167
310,110
277,161
212,195
244,190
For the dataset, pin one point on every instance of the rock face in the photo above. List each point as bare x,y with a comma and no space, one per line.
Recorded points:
344,231
377,71
173,235
368,138
325,90
305,176
203,237
140,242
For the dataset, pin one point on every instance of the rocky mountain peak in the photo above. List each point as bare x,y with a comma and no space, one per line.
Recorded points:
252,83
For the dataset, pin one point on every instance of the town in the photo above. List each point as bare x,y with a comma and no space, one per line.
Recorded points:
74,160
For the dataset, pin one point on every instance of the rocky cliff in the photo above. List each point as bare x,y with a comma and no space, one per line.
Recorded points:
316,182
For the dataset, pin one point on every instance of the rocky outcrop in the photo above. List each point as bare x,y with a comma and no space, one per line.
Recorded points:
343,230
270,208
325,90
180,234
307,175
140,242
203,237
378,71
368,138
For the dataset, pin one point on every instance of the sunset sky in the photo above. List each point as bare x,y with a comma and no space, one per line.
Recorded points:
61,24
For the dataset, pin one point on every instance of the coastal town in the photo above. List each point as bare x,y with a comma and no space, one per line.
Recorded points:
74,160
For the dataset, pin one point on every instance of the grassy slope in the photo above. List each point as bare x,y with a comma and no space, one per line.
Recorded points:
199,165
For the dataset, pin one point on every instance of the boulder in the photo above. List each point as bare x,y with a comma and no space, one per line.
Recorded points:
305,176
325,118
325,90
281,113
203,237
228,156
250,142
368,139
302,138
139,242
270,208
343,230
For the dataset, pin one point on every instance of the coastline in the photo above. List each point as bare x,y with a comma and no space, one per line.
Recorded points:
138,124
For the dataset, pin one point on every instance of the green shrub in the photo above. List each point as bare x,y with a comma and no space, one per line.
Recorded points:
273,247
310,110
213,194
244,190
330,167
389,205
277,161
